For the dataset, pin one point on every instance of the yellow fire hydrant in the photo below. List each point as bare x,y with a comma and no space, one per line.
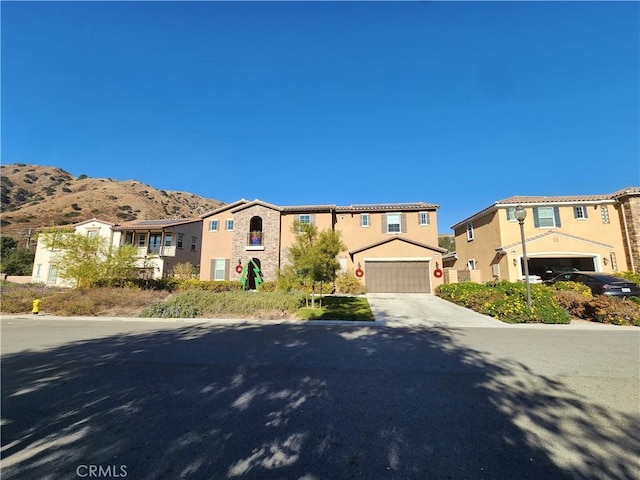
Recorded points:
36,306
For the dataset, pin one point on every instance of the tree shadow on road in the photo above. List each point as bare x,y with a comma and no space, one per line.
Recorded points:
299,402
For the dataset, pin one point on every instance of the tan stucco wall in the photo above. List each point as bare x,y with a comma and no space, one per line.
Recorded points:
216,244
486,237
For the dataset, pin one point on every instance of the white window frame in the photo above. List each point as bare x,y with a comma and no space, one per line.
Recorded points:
423,219
142,239
180,240
219,273
544,219
472,264
93,233
511,214
470,234
365,220
393,216
38,268
604,214
228,224
213,225
168,239
304,219
580,212
194,243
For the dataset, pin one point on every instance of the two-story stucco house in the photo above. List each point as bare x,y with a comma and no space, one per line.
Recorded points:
586,232
395,246
161,245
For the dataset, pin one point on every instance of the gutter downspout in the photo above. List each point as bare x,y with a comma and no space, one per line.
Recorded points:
626,237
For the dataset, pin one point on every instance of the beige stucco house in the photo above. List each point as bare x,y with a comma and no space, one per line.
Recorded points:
394,245
587,232
161,244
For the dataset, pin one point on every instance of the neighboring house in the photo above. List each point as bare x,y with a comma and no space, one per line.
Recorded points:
587,232
161,245
394,245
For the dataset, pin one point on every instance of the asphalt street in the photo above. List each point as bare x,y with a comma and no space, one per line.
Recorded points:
213,400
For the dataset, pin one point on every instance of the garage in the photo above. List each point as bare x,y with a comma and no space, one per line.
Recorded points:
397,276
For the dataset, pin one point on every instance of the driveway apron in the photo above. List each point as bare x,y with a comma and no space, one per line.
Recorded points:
403,309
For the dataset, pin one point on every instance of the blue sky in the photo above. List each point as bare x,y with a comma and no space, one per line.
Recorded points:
454,103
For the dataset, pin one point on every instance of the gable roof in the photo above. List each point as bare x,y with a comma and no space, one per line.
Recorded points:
528,201
400,239
254,203
546,234
224,208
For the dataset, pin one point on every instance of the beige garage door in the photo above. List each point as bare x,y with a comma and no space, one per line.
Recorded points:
397,277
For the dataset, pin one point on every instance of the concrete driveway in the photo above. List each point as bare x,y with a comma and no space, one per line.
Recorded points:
404,309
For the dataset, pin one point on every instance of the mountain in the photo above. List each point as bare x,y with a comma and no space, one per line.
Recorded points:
34,196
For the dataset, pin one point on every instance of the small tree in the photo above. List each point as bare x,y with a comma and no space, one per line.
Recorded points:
89,260
313,255
14,259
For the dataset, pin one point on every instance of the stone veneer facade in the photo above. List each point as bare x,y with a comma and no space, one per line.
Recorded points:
630,210
270,256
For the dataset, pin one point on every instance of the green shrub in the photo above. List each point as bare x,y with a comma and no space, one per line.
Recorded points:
208,285
201,303
578,287
506,301
348,284
268,286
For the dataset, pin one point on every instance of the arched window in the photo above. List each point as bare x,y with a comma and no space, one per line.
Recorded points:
255,231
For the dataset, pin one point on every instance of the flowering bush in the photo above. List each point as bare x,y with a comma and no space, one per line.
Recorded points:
506,301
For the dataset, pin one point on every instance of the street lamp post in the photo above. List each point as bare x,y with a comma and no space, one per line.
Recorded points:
520,215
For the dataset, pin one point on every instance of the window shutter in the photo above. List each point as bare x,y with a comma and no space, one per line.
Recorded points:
227,266
556,214
585,209
403,223
384,224
212,273
312,219
536,218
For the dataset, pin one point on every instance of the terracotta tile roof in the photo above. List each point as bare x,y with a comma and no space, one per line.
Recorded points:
377,207
529,200
553,199
155,224
308,208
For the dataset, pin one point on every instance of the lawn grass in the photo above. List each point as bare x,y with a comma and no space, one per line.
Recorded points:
339,308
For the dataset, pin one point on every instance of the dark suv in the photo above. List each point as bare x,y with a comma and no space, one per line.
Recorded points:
601,283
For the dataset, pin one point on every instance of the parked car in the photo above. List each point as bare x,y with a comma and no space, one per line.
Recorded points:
551,271
601,283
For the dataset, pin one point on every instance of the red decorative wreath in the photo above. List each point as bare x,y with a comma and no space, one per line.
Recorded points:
437,273
359,273
238,268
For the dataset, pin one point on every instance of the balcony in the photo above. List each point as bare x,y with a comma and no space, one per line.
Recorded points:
157,251
255,241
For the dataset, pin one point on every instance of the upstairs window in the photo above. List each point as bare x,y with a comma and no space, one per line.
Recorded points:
511,214
180,241
364,220
393,223
142,239
604,214
580,212
546,217
213,225
194,242
92,233
423,218
229,225
304,219
469,231
168,239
